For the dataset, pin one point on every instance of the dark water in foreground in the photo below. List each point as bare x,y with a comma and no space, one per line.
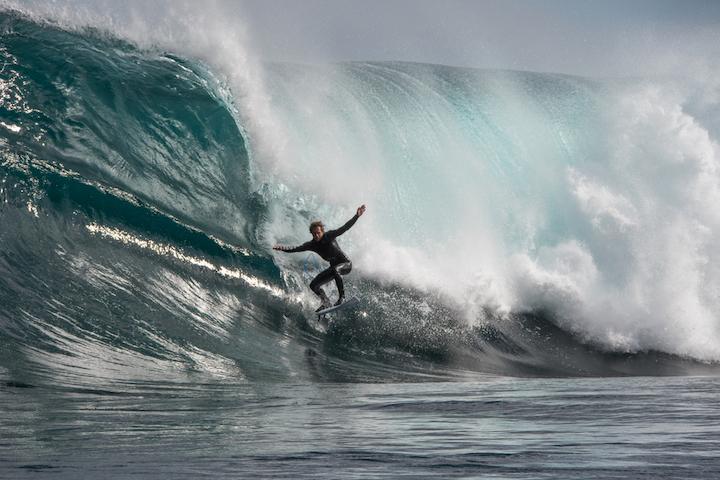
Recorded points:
493,428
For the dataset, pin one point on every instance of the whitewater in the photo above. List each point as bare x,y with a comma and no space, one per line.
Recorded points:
537,247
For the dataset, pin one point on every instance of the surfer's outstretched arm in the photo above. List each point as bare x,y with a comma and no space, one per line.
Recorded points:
301,248
350,223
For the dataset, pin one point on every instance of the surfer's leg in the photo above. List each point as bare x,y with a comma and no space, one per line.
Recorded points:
338,270
344,268
321,279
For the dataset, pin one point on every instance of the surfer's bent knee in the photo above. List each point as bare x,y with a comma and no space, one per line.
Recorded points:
343,268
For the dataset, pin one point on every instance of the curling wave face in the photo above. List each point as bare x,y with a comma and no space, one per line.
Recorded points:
136,222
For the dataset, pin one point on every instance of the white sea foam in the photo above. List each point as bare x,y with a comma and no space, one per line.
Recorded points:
641,271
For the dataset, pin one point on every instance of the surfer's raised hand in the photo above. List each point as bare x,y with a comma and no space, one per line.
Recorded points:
360,210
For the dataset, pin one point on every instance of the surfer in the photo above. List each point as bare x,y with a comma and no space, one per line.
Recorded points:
324,244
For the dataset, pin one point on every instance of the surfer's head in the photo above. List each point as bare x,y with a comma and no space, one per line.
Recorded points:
317,229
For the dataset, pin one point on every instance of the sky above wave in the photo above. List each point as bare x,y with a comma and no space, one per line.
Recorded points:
593,38
601,38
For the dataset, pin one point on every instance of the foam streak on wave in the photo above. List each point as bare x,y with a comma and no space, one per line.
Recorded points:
172,252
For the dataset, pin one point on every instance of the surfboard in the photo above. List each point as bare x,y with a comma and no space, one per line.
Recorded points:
350,302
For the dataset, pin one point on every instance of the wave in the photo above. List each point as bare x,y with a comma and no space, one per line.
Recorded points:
139,203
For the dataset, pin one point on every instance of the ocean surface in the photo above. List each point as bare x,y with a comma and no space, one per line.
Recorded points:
538,265
493,427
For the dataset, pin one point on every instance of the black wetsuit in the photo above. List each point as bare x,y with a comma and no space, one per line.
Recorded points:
329,250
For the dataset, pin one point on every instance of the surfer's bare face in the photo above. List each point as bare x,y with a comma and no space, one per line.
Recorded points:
317,233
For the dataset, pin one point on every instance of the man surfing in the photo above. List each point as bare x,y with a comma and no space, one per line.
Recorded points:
324,244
